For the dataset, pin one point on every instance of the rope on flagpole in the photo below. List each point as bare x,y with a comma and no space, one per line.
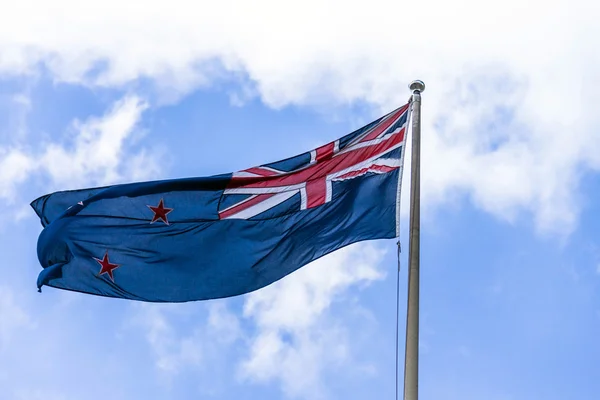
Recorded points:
398,313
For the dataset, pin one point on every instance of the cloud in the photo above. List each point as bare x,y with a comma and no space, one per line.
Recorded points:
171,353
97,151
13,317
15,167
289,333
297,339
194,347
507,119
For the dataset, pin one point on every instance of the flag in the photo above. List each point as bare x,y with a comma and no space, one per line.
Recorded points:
211,237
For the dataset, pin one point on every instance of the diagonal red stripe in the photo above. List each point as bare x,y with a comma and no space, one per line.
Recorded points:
372,168
383,126
261,171
322,169
245,205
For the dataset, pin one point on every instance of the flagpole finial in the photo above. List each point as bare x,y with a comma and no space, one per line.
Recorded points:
417,86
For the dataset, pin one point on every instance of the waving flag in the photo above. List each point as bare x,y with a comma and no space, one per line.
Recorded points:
202,238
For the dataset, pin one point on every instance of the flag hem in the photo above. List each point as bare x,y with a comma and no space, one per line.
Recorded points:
401,171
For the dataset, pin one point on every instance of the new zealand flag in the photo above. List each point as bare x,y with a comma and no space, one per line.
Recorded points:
203,238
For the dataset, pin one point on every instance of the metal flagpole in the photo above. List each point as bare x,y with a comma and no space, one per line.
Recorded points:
411,360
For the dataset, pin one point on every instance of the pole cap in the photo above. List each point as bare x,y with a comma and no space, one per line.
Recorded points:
417,86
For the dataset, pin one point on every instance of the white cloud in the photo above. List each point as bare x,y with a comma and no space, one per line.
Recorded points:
13,317
293,337
15,167
178,349
98,151
297,338
508,119
170,352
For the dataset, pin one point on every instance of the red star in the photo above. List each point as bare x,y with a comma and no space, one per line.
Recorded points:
160,212
107,267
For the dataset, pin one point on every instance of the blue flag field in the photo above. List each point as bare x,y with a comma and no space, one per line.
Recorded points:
212,237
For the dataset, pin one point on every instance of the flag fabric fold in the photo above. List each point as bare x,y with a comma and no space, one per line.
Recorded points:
211,237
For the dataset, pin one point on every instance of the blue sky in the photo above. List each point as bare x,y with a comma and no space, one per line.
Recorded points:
510,256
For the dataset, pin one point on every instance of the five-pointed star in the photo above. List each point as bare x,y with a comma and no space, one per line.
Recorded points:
160,212
107,266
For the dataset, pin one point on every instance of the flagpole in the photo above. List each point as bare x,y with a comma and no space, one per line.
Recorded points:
411,357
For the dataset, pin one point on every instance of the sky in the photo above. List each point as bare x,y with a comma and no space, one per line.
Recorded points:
95,93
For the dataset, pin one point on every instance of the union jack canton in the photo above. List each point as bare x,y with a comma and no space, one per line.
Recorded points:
257,191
